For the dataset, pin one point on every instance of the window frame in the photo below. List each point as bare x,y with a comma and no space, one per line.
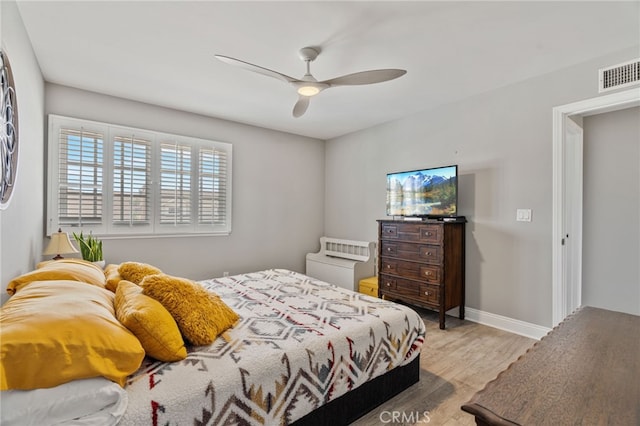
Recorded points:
153,226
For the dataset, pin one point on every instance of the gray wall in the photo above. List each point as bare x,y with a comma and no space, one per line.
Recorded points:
502,142
611,217
277,213
21,225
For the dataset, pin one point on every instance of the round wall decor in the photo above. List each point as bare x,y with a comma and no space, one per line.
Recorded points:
8,131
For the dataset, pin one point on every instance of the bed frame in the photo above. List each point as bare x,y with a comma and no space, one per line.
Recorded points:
356,403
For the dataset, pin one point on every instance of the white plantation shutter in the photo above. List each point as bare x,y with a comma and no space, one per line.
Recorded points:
119,180
80,177
212,187
131,190
175,184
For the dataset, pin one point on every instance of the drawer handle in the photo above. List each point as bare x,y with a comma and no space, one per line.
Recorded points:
388,284
428,234
388,266
388,248
429,253
427,273
426,293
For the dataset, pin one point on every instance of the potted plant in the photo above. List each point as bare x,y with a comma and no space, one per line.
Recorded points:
90,248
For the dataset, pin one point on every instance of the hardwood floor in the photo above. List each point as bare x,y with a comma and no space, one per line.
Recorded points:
455,363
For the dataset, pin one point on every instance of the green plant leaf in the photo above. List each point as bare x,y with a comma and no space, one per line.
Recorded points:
90,247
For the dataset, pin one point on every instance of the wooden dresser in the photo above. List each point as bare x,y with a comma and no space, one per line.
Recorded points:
422,263
586,371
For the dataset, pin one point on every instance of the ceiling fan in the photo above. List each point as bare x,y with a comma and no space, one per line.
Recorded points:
308,86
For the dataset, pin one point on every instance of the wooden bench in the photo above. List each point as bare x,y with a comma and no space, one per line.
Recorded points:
586,371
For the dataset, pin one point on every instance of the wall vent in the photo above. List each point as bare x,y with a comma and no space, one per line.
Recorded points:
619,76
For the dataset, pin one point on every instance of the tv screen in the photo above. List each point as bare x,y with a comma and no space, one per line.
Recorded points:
427,192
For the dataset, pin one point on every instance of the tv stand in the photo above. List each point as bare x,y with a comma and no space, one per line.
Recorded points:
422,263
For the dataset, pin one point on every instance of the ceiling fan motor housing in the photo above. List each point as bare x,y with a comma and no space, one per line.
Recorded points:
309,53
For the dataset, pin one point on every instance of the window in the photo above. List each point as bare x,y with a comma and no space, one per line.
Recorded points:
114,180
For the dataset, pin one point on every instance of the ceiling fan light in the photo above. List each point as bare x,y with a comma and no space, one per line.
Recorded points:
308,90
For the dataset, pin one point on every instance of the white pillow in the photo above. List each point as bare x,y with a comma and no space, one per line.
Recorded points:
90,402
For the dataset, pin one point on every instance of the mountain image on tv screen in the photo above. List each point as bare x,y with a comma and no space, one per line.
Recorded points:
428,192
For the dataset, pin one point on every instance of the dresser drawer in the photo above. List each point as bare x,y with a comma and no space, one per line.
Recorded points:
430,233
389,230
387,283
400,287
389,266
430,273
418,232
430,293
417,271
411,289
410,251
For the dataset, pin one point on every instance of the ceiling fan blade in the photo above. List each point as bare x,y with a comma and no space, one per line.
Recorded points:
256,68
301,106
366,77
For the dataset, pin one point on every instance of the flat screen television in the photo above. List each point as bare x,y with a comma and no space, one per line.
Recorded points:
430,193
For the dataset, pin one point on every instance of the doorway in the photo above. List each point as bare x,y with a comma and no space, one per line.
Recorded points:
567,198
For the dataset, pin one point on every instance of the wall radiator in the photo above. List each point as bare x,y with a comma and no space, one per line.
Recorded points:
342,262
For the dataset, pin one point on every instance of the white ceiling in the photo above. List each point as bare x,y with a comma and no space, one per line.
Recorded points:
162,52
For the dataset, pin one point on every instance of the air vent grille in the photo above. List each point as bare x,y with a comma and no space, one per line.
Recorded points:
619,76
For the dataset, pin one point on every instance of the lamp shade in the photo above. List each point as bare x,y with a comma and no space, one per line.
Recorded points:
59,244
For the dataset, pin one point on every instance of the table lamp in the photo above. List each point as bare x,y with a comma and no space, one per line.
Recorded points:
59,244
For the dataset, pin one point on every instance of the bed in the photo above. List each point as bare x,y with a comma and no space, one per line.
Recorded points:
302,352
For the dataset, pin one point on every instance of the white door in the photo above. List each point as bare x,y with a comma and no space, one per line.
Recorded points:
572,221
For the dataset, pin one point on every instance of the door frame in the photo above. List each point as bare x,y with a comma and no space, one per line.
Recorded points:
561,289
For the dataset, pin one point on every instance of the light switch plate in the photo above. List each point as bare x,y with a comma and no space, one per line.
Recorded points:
523,215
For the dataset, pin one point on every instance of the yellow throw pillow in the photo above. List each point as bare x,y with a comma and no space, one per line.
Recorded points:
112,276
63,269
201,315
152,324
135,271
57,331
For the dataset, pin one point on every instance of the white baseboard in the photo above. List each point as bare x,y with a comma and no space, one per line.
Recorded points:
505,323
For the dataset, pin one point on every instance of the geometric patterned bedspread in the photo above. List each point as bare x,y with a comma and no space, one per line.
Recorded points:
299,344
